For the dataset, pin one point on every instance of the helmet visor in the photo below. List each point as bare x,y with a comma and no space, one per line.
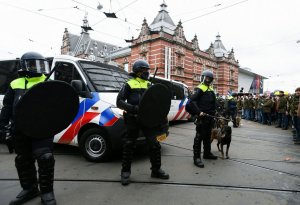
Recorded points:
37,66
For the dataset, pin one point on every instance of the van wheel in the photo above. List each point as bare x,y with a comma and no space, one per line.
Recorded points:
95,146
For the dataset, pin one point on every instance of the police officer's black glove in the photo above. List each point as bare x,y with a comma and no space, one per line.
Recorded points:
135,109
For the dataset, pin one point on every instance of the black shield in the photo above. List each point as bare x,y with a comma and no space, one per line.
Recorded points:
46,109
154,106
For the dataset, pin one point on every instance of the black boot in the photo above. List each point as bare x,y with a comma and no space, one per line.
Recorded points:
25,195
48,198
197,151
127,154
155,159
198,162
210,156
125,178
160,174
27,175
46,164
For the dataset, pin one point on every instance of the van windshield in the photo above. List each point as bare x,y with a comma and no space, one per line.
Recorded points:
105,77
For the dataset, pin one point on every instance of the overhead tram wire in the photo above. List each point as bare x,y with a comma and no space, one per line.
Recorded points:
85,5
57,19
116,11
35,12
215,11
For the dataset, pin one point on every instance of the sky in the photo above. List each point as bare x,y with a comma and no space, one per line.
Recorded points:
265,34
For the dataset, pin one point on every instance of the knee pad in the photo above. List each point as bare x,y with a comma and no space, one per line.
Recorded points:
128,143
24,160
46,160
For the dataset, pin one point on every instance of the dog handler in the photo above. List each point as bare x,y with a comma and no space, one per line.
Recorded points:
203,102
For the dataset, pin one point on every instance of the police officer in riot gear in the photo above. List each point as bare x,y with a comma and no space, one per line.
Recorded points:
34,67
204,101
128,99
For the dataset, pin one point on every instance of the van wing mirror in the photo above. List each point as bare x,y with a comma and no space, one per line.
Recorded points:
78,87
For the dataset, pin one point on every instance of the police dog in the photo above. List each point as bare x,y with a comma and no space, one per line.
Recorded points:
223,136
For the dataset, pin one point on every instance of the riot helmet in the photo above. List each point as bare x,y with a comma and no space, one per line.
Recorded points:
34,63
207,77
141,69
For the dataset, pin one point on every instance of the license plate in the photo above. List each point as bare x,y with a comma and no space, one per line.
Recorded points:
162,137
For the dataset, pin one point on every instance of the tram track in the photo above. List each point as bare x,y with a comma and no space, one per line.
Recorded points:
246,163
172,183
247,137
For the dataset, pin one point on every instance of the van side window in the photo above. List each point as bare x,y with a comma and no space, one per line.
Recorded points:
168,84
178,91
66,72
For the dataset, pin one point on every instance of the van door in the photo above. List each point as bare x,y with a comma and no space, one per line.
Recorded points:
67,71
178,102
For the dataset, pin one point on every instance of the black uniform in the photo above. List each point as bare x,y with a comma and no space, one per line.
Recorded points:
27,149
204,100
128,99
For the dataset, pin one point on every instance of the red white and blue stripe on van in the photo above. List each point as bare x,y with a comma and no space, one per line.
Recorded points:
99,112
181,114
92,110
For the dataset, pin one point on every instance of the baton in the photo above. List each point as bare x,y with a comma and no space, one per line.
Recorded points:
52,71
154,75
8,139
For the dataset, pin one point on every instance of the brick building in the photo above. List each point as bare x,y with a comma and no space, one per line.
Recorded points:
165,47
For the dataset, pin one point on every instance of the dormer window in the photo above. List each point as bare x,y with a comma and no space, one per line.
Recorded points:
105,47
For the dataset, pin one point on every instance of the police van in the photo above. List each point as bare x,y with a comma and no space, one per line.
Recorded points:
98,127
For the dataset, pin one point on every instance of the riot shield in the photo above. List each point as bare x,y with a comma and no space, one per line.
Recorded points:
154,106
46,109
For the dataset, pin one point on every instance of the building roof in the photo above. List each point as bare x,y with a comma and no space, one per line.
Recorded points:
163,21
97,50
120,53
248,71
219,48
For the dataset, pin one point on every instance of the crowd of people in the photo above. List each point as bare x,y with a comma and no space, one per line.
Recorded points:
278,109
